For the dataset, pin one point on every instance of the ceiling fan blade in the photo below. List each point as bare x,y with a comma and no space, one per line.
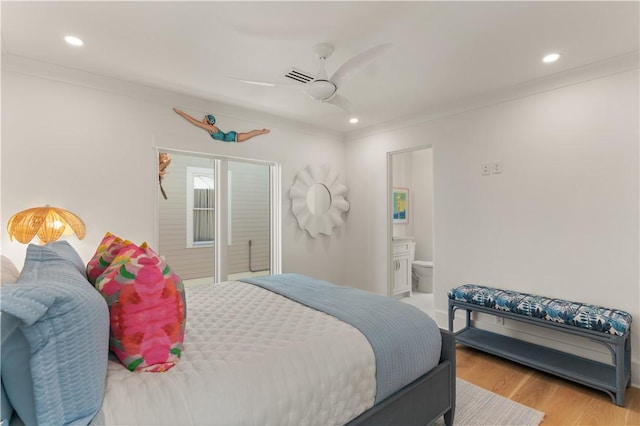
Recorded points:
356,63
340,102
266,83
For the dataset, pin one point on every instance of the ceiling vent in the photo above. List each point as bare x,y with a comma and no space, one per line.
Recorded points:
299,76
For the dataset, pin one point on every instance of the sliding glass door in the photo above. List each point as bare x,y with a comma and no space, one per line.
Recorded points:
248,219
220,219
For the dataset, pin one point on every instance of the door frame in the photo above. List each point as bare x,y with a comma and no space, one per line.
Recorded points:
390,154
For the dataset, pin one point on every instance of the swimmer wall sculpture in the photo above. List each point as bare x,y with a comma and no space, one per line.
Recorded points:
208,124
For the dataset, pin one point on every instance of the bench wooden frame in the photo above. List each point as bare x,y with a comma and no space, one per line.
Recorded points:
611,378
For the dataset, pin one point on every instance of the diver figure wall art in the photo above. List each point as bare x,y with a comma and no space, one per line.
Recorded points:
208,124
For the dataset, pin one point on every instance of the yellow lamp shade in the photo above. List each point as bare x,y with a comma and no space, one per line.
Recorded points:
49,223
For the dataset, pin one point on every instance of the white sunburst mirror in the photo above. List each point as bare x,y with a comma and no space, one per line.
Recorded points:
318,200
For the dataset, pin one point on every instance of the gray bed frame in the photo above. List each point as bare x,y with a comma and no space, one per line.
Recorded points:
423,401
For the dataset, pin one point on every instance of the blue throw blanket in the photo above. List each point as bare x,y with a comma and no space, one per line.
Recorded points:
406,342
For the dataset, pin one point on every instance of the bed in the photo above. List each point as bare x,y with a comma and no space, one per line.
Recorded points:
252,355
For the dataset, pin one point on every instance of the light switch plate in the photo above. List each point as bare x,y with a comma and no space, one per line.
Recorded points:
496,167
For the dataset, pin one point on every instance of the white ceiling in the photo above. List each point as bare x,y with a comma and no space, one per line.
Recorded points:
442,52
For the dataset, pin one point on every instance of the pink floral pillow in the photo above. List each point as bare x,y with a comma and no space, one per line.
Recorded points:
147,309
106,252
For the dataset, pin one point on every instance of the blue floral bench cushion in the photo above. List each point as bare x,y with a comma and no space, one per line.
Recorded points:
581,315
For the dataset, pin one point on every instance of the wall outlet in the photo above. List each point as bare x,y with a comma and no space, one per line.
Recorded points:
499,320
486,169
496,167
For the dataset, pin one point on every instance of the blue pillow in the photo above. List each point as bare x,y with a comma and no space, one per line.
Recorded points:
6,410
66,323
17,384
66,251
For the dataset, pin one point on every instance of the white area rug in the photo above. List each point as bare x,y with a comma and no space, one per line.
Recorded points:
476,406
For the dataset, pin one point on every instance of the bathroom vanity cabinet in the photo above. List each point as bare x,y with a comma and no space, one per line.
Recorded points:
401,265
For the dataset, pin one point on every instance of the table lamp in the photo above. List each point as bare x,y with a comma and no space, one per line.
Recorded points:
49,223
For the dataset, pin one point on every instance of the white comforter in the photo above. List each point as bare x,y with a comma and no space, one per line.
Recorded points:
251,357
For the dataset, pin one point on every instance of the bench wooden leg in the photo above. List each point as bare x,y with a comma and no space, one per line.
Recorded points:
452,314
623,367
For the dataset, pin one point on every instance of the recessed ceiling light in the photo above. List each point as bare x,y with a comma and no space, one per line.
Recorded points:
551,57
353,120
74,41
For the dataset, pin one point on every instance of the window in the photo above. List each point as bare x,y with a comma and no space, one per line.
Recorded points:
200,207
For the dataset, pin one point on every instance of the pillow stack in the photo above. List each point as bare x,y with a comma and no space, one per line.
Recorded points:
147,304
55,330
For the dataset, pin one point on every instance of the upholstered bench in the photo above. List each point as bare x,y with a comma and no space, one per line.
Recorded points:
608,327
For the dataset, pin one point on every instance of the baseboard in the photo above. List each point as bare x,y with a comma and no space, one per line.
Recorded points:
540,336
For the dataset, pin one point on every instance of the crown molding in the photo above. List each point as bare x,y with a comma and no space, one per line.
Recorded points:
600,69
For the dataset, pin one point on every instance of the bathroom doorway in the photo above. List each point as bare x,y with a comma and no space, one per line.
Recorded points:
410,225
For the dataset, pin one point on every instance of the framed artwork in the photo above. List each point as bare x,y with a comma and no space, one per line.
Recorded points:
400,205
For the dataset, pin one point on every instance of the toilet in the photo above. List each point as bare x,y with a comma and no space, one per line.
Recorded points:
422,274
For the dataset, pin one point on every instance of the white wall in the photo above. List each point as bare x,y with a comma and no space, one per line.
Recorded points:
562,220
86,143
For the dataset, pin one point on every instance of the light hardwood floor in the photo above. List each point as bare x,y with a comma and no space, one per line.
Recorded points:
563,402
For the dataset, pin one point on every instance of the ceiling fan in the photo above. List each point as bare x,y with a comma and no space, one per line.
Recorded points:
319,86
